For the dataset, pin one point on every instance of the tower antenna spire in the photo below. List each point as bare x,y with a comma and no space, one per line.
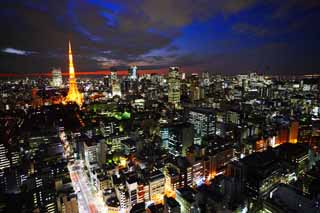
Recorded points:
73,94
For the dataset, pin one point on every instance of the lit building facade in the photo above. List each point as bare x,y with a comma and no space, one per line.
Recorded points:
157,182
203,121
56,78
133,72
174,92
116,88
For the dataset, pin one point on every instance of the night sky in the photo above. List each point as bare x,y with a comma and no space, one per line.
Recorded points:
219,36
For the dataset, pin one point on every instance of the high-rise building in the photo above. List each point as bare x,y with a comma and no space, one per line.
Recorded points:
73,94
90,153
115,84
116,89
56,78
181,136
122,196
107,81
101,153
4,161
203,121
132,186
174,92
113,75
156,182
133,72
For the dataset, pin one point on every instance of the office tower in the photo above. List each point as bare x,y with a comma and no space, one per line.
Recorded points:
73,94
90,153
172,179
183,76
113,76
174,92
164,134
116,89
156,182
107,81
56,78
206,78
101,153
132,186
122,196
4,161
203,121
133,72
115,84
195,94
180,138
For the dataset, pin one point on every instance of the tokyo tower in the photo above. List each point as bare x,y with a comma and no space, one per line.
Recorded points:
73,94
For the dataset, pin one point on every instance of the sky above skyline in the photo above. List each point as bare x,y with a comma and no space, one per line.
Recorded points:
218,36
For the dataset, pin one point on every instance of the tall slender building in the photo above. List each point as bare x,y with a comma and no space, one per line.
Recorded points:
174,92
56,78
73,94
133,72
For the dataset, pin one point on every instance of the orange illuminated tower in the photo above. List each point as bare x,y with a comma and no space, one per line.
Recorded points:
73,94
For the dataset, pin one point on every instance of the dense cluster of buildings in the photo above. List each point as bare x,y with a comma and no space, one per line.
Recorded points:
161,143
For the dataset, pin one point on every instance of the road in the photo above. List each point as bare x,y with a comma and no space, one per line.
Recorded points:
87,201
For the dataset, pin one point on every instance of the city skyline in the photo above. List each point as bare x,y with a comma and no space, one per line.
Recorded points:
225,37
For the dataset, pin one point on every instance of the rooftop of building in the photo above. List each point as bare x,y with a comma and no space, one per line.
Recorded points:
170,201
129,142
260,159
90,142
181,162
298,149
211,192
156,208
108,191
102,177
132,179
172,171
155,175
289,199
138,208
203,110
187,194
261,164
179,124
113,202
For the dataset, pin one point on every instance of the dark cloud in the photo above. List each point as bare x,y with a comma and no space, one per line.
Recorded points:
138,32
274,58
283,9
245,28
288,20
